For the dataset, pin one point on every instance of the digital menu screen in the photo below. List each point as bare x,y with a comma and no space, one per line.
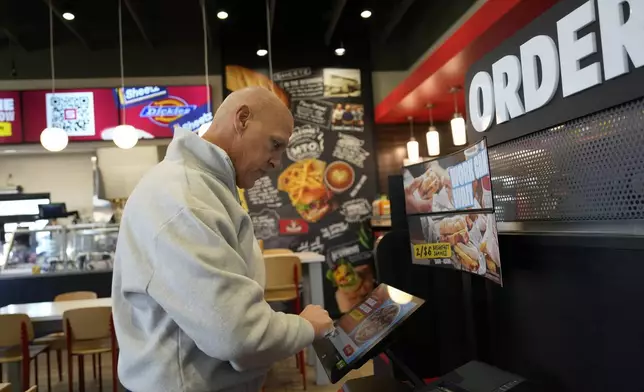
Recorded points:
367,324
156,110
450,213
85,114
457,182
10,118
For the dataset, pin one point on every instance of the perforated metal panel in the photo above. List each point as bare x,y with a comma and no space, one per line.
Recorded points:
591,168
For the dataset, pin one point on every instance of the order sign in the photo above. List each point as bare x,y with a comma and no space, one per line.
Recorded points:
10,117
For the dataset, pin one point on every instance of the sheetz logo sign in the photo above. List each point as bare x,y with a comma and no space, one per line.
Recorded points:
165,111
544,63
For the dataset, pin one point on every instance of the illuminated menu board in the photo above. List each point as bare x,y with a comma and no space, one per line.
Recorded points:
10,117
85,114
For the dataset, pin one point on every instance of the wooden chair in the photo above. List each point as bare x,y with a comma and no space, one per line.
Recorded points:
5,387
16,331
56,340
261,245
33,389
283,277
90,331
75,296
277,251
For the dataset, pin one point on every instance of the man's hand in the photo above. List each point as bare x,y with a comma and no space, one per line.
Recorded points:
319,319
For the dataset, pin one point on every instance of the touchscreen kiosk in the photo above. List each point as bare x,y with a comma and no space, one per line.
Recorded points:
358,334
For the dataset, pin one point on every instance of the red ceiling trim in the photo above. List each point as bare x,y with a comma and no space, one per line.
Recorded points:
491,14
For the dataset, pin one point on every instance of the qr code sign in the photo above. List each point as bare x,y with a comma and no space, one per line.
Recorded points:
73,112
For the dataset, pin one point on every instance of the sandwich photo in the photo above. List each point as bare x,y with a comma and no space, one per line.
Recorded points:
430,185
489,247
468,256
454,230
304,183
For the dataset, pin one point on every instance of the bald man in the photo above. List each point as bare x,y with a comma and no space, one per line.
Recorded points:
188,289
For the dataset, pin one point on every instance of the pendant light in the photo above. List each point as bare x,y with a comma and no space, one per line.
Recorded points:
52,138
124,136
433,138
412,145
204,21
459,137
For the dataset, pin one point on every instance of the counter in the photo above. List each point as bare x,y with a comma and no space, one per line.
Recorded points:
20,289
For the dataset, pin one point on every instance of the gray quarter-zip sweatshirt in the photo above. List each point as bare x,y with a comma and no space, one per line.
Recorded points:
188,288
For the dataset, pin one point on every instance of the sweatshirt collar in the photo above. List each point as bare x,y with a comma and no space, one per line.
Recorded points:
192,149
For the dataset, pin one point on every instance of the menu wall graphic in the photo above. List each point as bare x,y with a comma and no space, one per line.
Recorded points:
156,110
321,200
451,213
83,113
10,117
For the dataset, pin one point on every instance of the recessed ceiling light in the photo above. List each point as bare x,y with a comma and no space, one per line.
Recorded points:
10,151
366,14
262,52
222,15
340,51
68,16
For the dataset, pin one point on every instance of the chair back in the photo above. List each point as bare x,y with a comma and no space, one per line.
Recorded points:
277,251
5,387
11,326
283,276
261,245
75,296
88,323
32,389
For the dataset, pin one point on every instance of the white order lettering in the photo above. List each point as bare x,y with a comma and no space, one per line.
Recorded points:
506,74
463,197
481,116
621,38
544,49
573,49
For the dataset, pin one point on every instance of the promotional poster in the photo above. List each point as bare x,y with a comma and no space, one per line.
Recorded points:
465,242
156,110
450,213
321,200
10,118
83,113
456,182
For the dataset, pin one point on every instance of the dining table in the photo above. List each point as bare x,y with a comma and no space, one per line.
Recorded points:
46,317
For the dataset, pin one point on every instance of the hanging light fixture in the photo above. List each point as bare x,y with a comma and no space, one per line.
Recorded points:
413,153
204,127
52,138
459,137
124,136
433,138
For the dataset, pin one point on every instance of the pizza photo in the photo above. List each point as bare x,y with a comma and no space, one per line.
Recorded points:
377,322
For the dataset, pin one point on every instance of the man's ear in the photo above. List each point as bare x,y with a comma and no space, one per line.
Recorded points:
242,116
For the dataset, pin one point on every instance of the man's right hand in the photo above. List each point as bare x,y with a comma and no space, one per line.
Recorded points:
319,319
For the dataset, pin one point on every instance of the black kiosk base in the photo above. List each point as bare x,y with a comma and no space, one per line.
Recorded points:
472,377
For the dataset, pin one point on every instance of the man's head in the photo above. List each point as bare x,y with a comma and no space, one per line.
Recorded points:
253,126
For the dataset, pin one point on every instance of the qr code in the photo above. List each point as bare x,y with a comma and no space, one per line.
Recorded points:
73,112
